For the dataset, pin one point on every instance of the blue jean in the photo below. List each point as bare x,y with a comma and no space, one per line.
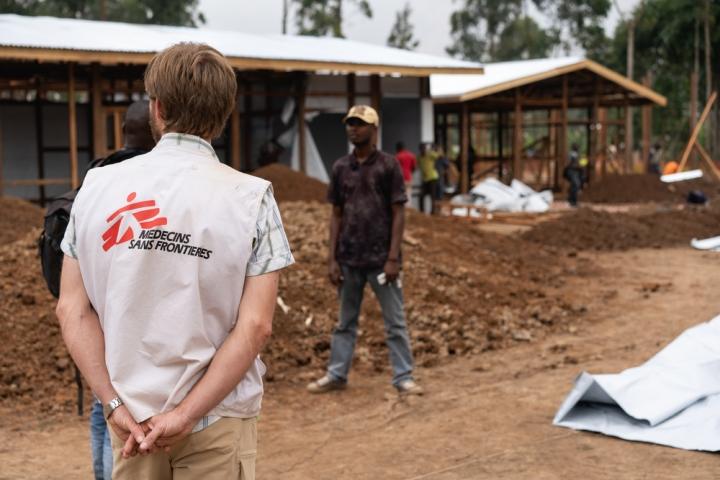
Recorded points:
396,336
100,443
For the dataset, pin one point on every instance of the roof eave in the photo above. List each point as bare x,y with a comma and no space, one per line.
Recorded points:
241,63
596,68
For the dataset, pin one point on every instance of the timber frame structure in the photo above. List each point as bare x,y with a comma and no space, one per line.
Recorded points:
91,88
495,117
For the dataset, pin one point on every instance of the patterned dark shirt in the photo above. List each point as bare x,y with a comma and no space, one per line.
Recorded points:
366,193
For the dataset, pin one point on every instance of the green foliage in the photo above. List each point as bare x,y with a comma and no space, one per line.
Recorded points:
665,47
581,21
401,35
324,17
161,12
523,39
476,27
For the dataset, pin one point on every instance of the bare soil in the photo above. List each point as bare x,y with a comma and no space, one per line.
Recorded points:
640,188
484,416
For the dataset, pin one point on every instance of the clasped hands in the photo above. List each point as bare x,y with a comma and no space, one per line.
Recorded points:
157,433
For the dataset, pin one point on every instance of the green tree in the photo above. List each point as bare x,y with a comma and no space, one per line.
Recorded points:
401,35
476,27
524,39
581,21
161,12
324,17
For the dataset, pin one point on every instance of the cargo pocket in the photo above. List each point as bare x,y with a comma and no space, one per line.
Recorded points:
247,448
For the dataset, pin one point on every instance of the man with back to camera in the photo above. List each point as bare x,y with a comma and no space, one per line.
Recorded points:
137,140
367,193
179,256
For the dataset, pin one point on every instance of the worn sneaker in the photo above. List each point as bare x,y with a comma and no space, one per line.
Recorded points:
409,387
326,384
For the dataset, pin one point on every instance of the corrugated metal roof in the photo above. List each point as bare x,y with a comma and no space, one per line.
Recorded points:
52,34
503,76
495,74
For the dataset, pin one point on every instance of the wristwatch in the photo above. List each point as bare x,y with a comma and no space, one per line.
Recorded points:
110,407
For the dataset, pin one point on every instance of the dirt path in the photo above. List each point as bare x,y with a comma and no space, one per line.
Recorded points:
487,416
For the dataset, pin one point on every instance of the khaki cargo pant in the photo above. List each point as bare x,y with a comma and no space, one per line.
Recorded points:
224,450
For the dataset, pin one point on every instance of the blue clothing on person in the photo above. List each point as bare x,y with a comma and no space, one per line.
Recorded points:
100,443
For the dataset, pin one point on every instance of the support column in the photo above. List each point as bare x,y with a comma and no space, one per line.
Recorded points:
39,134
72,127
517,170
99,127
562,141
646,126
301,124
595,130
350,79
464,148
602,115
501,154
246,129
375,97
628,136
235,136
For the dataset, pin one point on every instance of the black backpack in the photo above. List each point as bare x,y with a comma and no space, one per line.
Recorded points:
57,218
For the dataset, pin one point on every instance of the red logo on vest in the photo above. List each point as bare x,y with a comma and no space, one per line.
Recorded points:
144,215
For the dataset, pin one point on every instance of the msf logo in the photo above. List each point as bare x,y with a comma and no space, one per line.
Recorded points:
135,215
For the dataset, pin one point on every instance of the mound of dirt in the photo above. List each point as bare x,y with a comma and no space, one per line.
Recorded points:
587,229
18,218
466,291
292,186
643,188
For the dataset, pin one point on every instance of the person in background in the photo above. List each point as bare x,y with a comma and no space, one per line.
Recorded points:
442,164
408,164
654,159
573,174
428,158
366,228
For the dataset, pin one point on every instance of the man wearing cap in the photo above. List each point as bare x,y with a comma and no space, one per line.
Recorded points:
367,192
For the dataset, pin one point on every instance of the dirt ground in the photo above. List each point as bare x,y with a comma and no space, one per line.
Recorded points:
484,416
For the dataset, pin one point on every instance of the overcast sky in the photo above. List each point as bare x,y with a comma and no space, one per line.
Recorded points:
431,19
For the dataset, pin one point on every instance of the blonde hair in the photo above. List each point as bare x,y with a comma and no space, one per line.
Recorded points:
196,87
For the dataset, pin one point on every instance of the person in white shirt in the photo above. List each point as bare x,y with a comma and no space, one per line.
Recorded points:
169,284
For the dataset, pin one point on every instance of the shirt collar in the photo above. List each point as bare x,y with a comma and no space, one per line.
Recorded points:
187,142
370,159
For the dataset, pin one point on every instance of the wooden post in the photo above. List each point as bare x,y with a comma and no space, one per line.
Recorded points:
39,134
646,113
628,136
501,159
562,141
99,127
235,135
517,137
706,156
2,191
72,127
117,129
350,79
464,148
552,146
693,107
246,130
696,131
301,127
375,96
602,142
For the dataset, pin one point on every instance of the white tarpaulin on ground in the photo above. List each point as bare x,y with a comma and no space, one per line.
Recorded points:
673,399
494,196
712,243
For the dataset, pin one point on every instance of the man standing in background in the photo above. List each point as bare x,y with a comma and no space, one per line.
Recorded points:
408,164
